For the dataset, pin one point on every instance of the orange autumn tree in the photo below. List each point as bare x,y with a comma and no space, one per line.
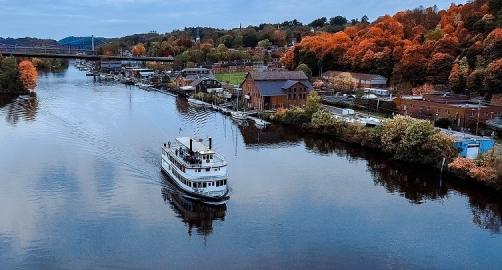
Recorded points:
28,75
138,50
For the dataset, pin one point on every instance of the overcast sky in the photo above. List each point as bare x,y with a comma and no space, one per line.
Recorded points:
113,18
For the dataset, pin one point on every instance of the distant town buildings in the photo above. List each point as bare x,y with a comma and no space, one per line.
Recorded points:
360,80
457,108
189,75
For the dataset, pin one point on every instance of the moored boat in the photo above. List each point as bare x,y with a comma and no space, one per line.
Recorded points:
239,115
196,169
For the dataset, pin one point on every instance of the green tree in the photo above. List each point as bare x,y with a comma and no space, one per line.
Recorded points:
318,22
338,20
323,118
313,103
264,43
305,69
9,76
435,34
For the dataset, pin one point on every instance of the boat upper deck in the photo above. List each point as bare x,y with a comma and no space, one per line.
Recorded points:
194,153
195,146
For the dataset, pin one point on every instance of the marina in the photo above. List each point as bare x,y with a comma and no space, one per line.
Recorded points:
97,198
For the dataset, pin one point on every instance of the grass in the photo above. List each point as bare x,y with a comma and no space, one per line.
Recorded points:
232,78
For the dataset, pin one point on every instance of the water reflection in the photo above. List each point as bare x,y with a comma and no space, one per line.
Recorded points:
416,184
19,108
194,214
182,104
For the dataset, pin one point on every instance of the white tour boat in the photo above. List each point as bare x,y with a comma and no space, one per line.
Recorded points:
196,169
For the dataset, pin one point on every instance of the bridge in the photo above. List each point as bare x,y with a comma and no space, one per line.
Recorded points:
69,52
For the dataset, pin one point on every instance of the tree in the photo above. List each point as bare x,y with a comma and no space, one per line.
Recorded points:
313,103
435,34
322,118
264,43
249,38
343,82
9,78
493,79
439,68
318,22
475,81
493,44
305,69
458,75
338,20
28,75
365,19
138,50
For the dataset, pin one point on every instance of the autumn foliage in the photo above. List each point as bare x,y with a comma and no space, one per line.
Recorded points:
415,47
138,50
28,75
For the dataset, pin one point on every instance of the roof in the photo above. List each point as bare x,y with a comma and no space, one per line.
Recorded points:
201,79
278,75
195,69
355,75
270,88
273,83
197,145
464,137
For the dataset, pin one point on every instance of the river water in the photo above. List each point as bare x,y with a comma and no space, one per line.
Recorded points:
81,188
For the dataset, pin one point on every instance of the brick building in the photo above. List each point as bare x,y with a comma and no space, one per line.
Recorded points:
457,108
276,89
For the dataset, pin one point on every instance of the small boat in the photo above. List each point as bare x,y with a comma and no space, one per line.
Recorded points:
239,115
197,170
259,123
144,86
196,102
225,111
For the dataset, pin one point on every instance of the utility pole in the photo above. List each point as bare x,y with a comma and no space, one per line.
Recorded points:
477,121
92,41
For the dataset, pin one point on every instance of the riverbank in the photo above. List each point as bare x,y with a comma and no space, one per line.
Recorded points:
402,138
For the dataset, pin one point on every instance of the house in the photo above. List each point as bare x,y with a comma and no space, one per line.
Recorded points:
188,75
276,89
139,73
204,83
111,66
457,108
470,146
360,80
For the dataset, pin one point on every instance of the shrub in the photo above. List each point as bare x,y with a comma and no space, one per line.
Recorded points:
322,118
475,169
295,116
313,103
416,140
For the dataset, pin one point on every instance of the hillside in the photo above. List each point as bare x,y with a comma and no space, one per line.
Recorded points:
457,49
81,42
35,42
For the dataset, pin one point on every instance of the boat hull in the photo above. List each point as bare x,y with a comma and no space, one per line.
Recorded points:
196,196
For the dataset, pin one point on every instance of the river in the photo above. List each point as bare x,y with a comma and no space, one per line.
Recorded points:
81,188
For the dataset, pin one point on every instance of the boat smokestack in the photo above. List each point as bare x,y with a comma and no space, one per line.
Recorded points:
191,145
210,143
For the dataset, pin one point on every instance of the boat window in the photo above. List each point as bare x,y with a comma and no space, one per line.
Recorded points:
204,184
224,182
208,169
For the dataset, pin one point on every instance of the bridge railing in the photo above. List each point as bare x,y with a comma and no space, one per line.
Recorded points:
46,49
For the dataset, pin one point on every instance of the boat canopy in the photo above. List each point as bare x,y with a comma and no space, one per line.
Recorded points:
197,145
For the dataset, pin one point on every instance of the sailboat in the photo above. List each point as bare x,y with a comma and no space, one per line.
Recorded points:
238,115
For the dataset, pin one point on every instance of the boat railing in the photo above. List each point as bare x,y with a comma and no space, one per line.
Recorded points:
193,162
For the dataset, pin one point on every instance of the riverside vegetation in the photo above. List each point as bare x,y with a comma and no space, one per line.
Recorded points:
403,138
17,78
